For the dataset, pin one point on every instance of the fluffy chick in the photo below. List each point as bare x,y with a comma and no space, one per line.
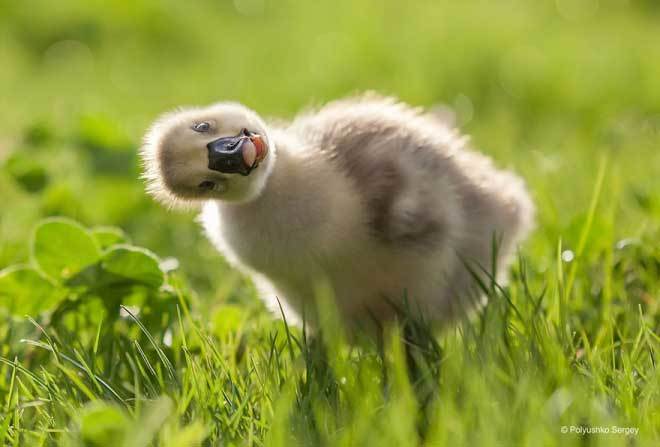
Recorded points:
366,195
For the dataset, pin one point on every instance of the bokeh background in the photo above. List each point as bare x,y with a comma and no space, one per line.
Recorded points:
547,87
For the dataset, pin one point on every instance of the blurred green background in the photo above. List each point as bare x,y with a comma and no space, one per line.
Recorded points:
546,87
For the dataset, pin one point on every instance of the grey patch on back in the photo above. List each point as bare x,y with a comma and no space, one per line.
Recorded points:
383,148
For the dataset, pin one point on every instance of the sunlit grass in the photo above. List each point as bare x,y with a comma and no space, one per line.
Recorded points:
566,93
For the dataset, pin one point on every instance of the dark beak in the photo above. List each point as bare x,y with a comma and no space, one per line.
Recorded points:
226,155
237,155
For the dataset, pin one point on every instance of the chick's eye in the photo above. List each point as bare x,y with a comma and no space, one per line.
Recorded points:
202,127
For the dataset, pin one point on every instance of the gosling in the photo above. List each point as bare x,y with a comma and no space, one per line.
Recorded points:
380,203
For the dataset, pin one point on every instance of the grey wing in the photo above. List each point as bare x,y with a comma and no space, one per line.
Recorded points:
389,152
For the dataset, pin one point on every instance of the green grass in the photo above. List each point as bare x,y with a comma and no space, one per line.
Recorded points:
566,93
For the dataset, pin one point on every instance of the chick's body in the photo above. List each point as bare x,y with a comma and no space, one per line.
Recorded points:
378,201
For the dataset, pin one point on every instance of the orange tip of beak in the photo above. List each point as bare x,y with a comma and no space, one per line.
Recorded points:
260,145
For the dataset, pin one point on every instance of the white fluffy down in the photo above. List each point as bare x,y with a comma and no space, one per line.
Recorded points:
365,195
